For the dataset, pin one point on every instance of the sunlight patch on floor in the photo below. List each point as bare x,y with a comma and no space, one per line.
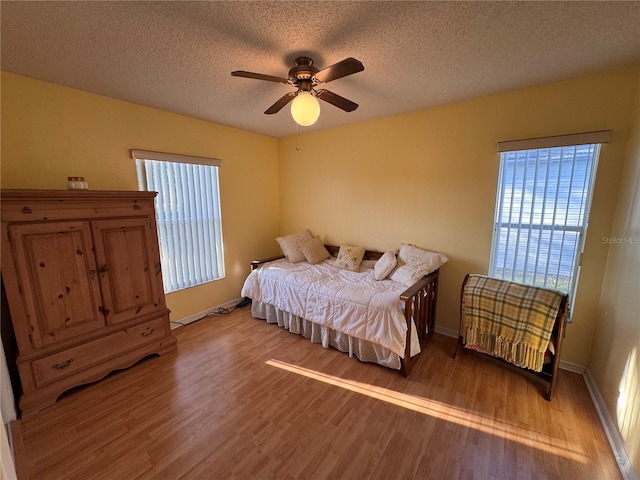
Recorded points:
445,412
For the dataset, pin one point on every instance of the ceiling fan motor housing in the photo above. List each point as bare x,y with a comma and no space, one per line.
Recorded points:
300,75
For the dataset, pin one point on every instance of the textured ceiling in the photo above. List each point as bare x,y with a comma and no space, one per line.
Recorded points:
178,56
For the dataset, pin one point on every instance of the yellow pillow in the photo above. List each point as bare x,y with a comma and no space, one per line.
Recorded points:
349,257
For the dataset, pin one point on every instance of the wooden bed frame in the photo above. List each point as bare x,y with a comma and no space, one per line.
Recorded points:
419,303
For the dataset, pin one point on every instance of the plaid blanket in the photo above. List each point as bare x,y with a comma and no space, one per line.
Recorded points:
508,320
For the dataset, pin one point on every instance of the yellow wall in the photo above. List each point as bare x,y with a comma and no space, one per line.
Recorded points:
426,177
429,178
615,361
50,132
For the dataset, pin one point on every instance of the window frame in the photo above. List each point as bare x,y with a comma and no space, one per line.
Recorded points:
596,139
176,233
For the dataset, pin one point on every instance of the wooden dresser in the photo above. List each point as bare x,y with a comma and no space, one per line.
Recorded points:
82,275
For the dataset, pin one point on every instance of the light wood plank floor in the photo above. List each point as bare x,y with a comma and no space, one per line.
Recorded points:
242,399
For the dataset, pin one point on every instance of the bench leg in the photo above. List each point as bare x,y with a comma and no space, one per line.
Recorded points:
459,347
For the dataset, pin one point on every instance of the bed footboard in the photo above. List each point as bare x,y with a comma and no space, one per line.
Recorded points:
420,305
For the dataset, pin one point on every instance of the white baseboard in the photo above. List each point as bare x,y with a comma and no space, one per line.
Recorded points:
610,429
447,332
199,316
572,367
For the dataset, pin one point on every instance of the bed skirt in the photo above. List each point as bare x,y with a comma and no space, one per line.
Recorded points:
363,350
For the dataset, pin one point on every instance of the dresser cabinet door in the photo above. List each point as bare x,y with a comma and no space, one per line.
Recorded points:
57,276
127,255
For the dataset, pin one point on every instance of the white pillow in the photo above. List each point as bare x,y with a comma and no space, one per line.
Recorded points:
385,265
314,251
414,263
349,257
291,245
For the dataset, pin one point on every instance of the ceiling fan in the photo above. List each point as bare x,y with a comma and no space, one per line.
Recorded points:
305,77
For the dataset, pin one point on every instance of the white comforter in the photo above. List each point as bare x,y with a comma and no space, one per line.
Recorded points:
353,303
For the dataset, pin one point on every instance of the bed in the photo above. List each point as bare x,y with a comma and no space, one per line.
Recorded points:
381,321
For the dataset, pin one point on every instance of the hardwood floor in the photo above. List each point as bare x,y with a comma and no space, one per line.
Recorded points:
242,399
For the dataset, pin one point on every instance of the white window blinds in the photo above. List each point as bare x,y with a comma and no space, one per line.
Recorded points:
188,216
542,210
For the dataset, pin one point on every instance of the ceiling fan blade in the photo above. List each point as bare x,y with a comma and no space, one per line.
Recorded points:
348,66
259,76
276,107
337,100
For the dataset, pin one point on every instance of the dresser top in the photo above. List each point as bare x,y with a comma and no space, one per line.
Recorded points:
33,194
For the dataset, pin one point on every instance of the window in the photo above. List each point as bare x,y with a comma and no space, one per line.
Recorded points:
542,210
188,216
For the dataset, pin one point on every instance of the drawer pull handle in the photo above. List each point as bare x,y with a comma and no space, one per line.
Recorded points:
147,332
60,366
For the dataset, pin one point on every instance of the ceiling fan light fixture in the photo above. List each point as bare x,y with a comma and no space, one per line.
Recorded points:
304,77
305,109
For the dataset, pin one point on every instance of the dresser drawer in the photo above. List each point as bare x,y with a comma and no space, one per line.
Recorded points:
63,364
